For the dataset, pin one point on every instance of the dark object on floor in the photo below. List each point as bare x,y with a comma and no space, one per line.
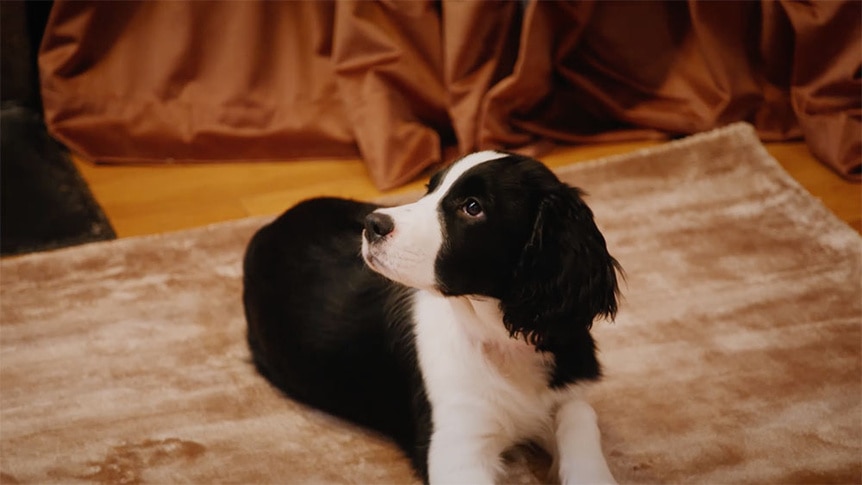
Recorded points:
44,202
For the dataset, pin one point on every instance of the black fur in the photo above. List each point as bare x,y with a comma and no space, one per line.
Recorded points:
564,280
328,331
479,254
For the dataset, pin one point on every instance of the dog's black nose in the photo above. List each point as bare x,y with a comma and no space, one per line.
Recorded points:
377,226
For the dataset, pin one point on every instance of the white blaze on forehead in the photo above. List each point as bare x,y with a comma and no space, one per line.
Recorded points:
409,253
461,167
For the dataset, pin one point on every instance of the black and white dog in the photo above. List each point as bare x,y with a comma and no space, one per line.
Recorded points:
459,325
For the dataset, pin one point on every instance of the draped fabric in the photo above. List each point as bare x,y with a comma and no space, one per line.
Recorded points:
408,85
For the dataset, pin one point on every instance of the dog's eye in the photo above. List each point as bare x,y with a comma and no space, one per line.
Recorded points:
472,208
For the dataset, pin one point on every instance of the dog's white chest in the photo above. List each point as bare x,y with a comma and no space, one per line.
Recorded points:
516,363
475,373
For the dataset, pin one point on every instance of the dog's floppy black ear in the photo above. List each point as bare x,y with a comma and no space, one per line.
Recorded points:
565,278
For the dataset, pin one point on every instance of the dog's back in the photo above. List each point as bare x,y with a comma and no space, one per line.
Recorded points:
321,324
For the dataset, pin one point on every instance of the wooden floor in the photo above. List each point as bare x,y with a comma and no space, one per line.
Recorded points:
152,199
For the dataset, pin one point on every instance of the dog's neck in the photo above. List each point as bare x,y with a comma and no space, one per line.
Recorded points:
482,319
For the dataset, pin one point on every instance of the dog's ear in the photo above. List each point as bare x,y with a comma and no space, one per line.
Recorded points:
565,278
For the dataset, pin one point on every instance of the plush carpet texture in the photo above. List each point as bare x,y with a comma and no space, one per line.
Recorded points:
735,357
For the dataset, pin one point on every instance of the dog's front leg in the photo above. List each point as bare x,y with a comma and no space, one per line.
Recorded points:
459,456
579,445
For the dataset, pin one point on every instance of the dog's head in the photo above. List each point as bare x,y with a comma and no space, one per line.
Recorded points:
503,226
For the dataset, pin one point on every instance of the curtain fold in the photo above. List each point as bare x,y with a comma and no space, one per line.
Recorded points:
409,85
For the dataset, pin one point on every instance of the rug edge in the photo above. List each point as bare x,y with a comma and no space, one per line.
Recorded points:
748,134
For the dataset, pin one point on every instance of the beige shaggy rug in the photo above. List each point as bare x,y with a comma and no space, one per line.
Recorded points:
735,357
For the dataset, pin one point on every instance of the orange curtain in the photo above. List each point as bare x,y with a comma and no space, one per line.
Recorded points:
409,84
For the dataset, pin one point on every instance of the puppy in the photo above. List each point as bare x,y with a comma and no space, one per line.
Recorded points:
459,325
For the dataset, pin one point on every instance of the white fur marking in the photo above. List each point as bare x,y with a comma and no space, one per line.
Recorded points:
407,255
579,445
485,401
